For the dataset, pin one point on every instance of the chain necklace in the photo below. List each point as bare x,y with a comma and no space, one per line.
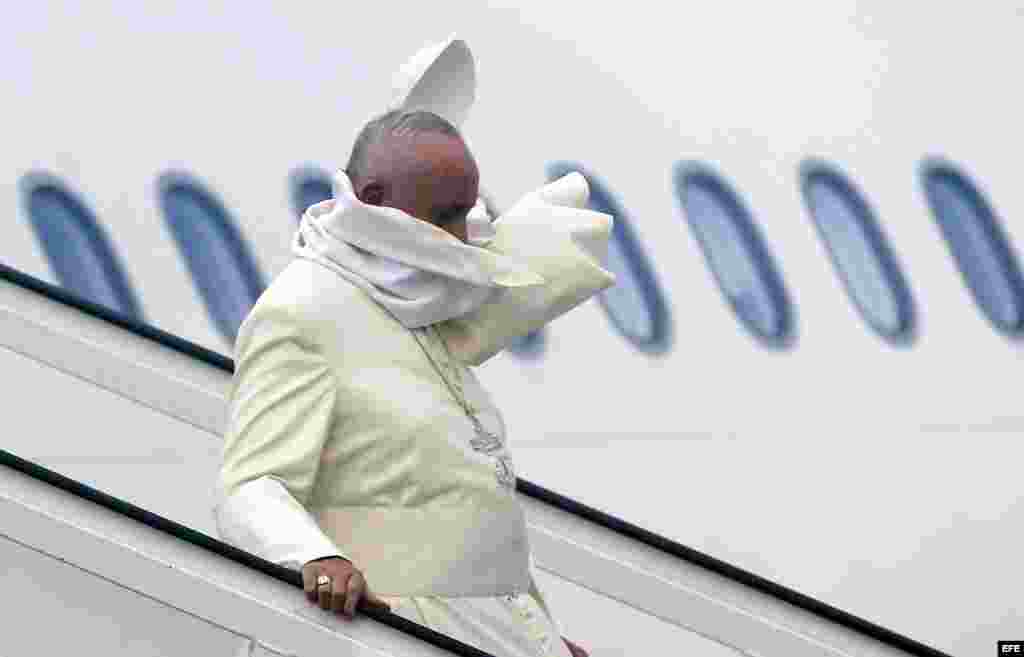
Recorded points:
484,441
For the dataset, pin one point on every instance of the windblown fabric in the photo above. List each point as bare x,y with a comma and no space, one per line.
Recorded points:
419,273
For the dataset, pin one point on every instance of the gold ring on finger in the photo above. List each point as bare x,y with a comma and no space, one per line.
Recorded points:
323,580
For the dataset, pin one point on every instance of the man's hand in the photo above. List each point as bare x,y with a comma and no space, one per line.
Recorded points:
344,590
575,649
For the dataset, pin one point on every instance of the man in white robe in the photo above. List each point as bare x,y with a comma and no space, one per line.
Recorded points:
360,448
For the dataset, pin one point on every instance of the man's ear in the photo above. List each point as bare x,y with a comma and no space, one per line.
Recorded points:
372,193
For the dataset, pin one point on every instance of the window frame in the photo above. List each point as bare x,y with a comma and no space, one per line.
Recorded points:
641,270
756,247
813,170
988,222
87,224
301,176
232,241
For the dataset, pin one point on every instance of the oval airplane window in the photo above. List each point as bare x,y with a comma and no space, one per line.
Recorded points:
736,253
76,246
529,346
217,257
859,250
979,247
635,305
309,185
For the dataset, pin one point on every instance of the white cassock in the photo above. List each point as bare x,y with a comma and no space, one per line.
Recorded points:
345,434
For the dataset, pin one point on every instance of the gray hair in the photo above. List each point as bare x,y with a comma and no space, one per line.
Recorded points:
397,123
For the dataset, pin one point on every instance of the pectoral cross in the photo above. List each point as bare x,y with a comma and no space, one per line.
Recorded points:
490,443
484,440
506,476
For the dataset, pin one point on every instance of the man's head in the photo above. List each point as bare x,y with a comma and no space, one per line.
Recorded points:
416,162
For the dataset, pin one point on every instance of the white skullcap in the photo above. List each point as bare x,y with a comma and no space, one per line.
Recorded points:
440,78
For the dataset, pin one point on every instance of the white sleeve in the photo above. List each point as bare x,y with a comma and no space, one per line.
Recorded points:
279,416
557,238
263,518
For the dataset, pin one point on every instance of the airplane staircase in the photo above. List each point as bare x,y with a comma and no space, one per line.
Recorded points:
106,530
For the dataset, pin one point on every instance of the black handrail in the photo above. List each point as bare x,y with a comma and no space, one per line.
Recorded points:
527,488
199,539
